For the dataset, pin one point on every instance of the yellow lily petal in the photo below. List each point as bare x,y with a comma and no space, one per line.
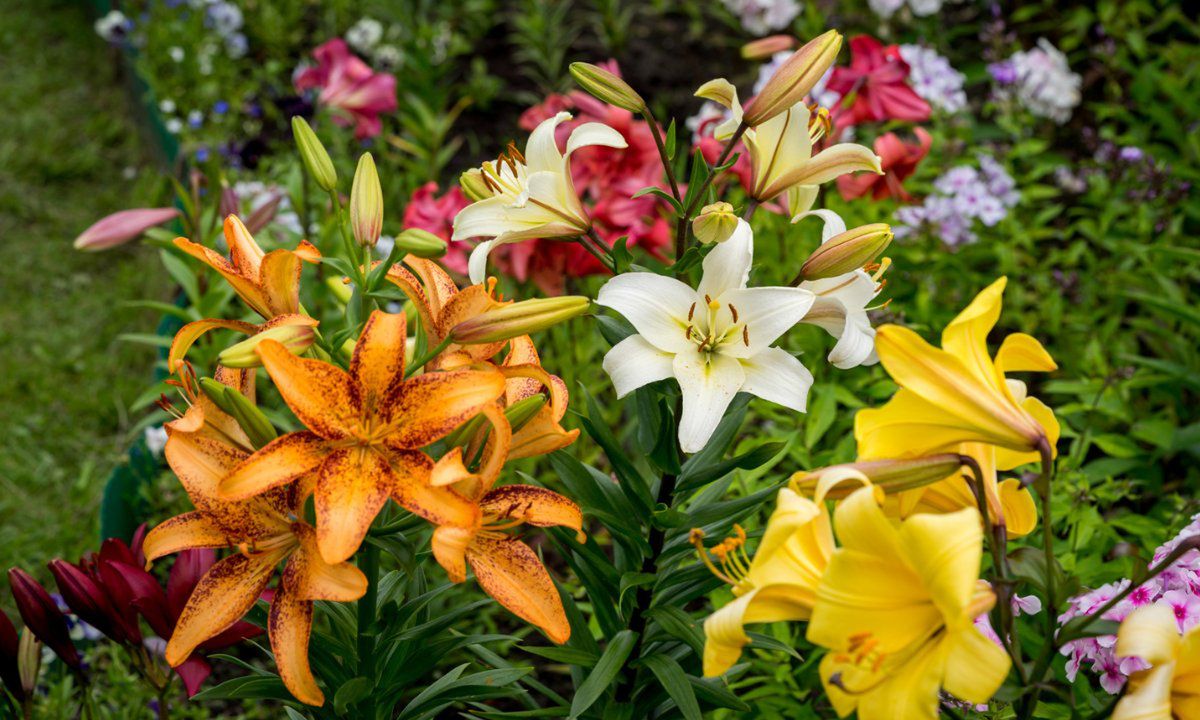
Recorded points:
1020,511
945,550
352,487
512,574
226,592
910,692
191,332
966,336
1023,353
1148,697
724,634
1149,632
975,666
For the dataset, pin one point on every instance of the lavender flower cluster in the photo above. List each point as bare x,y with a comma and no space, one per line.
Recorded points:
1042,81
1178,587
962,195
921,8
759,17
934,79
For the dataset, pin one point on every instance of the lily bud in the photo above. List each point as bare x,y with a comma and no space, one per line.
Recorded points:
228,204
252,420
474,186
296,338
607,87
85,598
522,411
42,616
521,318
366,203
764,48
10,647
314,155
715,223
121,227
795,78
341,291
421,243
29,661
890,475
847,251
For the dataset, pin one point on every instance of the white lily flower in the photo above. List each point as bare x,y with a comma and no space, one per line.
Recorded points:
715,340
532,194
841,303
781,149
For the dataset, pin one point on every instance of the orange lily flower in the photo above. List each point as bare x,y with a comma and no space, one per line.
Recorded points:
269,283
441,306
202,447
506,568
365,431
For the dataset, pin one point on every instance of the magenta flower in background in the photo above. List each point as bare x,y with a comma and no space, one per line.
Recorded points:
426,211
877,78
121,227
349,85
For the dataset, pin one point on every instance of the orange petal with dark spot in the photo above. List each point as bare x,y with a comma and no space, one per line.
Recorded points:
289,625
438,505
190,333
245,286
183,532
378,362
279,462
532,505
319,393
352,486
512,574
430,406
339,582
449,546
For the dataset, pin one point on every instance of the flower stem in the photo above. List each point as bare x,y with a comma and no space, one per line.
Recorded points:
662,151
369,564
598,250
430,354
1042,665
682,222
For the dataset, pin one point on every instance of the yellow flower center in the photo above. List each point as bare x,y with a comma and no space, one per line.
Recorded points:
710,332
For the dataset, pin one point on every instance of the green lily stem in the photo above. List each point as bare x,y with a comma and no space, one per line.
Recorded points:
1046,656
682,222
751,208
164,705
85,692
369,564
998,543
599,249
662,151
430,354
360,258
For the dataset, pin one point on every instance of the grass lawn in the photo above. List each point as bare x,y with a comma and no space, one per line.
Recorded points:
70,152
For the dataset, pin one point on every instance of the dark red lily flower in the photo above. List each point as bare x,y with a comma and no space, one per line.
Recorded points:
10,671
161,609
898,159
42,617
88,600
876,84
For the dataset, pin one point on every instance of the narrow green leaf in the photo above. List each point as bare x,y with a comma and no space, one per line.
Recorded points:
675,681
606,670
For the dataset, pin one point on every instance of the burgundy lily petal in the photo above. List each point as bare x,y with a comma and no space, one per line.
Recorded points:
42,616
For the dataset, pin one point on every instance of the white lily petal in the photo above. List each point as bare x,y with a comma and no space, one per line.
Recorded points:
776,376
634,362
541,151
801,199
477,263
727,266
594,133
547,190
766,313
720,91
834,224
856,344
486,218
708,382
656,305
779,145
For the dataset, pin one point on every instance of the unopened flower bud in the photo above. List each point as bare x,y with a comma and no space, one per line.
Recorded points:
517,319
228,204
764,48
715,223
10,648
795,78
296,338
607,87
474,186
42,616
891,476
315,157
847,251
85,598
421,243
366,203
522,411
252,420
29,661
121,227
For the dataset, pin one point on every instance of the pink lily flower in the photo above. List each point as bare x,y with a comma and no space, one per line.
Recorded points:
878,81
350,86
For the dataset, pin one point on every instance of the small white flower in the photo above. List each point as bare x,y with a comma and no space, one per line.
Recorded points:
166,106
176,53
924,8
759,17
885,8
365,34
1045,84
174,126
714,340
388,58
156,439
114,26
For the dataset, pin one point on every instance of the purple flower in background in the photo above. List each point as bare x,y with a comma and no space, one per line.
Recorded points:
1003,72
961,196
933,78
1131,154
202,154
220,107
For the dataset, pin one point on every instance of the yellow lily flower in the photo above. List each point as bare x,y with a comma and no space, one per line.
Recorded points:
441,306
1170,688
269,283
780,583
365,431
896,609
957,399
202,446
506,568
781,148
